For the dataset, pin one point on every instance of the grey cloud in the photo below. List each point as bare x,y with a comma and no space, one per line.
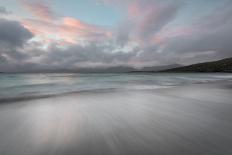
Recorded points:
13,34
210,39
153,16
156,19
91,53
12,38
4,11
211,33
122,33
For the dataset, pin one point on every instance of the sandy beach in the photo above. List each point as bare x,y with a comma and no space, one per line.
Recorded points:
184,120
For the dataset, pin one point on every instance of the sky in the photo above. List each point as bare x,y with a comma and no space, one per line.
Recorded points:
57,34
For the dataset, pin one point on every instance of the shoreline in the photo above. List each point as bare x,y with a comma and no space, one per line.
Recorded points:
191,119
110,90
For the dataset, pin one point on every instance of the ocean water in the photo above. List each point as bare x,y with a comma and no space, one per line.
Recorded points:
19,86
124,121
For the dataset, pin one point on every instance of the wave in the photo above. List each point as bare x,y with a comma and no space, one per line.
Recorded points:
32,96
28,87
41,96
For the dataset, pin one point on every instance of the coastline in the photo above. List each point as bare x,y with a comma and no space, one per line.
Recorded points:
108,90
190,119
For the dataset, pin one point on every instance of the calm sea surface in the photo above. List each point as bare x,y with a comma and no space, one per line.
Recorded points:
37,85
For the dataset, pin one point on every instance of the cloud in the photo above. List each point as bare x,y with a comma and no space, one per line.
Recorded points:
4,11
67,30
39,9
13,34
145,19
145,37
49,27
85,56
211,36
13,37
155,19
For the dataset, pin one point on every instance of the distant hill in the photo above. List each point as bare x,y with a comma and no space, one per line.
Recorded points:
115,69
111,69
224,65
156,68
125,69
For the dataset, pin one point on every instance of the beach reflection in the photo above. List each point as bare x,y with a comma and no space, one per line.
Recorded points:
119,123
53,121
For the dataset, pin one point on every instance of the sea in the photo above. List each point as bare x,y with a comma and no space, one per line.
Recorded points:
15,87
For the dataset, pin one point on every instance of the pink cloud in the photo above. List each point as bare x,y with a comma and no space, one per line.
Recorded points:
146,19
134,10
39,9
69,30
51,28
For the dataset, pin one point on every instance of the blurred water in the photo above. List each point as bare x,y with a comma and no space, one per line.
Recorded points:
36,85
190,120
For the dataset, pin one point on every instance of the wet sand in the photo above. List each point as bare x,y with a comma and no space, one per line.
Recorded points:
186,120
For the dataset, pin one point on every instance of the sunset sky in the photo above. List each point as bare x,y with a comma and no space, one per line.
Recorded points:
66,34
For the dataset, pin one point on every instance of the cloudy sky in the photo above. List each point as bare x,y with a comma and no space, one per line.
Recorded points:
58,34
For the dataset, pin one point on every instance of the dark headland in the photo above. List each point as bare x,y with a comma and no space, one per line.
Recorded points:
224,65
